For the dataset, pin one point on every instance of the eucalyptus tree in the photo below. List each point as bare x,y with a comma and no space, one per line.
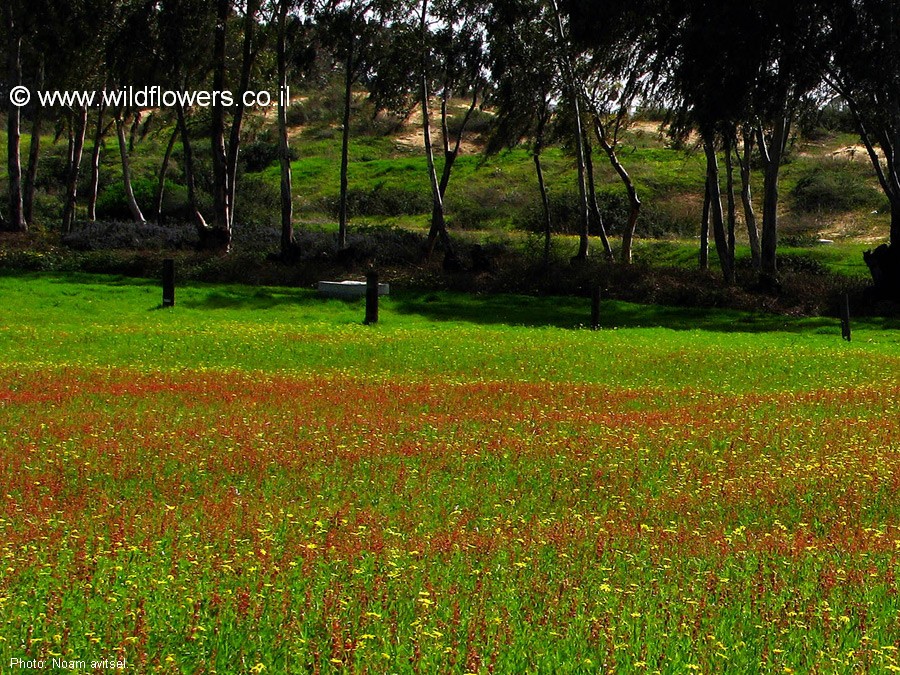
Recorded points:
622,65
295,53
183,30
573,93
864,68
435,49
135,31
713,87
243,19
459,61
67,61
526,84
352,28
791,37
13,20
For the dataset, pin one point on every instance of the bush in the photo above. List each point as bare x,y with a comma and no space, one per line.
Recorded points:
832,189
115,235
53,173
256,236
258,155
296,115
112,204
471,206
614,209
383,201
479,122
801,264
380,124
257,201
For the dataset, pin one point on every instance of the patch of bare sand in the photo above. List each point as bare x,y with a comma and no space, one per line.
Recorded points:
413,136
855,153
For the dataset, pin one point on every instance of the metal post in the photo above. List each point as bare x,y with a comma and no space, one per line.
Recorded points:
168,283
371,298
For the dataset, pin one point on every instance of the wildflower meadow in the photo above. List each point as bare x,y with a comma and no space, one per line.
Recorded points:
254,482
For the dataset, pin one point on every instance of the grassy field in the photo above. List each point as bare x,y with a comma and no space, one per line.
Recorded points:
253,481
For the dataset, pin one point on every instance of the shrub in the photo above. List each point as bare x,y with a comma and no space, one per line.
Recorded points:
471,206
257,201
112,204
383,201
296,115
801,264
380,124
119,235
614,209
832,189
479,122
258,155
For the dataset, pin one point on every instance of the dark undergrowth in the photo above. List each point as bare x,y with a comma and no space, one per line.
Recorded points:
806,287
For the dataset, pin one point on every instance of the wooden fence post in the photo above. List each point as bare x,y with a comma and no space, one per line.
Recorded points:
845,316
371,298
595,307
168,283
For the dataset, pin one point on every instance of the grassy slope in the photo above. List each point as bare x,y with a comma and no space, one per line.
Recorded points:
500,192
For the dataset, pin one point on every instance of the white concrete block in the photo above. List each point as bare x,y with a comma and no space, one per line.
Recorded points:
348,289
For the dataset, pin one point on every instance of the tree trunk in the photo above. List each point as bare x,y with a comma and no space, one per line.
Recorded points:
569,79
718,220
545,204
704,226
729,195
633,200
136,214
76,146
199,221
95,165
34,153
345,143
221,229
16,221
288,245
234,142
747,201
584,209
132,131
450,155
895,221
593,207
163,170
545,199
772,155
438,224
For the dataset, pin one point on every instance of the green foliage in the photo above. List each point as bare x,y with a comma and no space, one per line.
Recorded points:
257,201
113,205
479,122
841,187
383,200
258,155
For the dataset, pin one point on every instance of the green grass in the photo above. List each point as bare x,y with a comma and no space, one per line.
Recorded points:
114,322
